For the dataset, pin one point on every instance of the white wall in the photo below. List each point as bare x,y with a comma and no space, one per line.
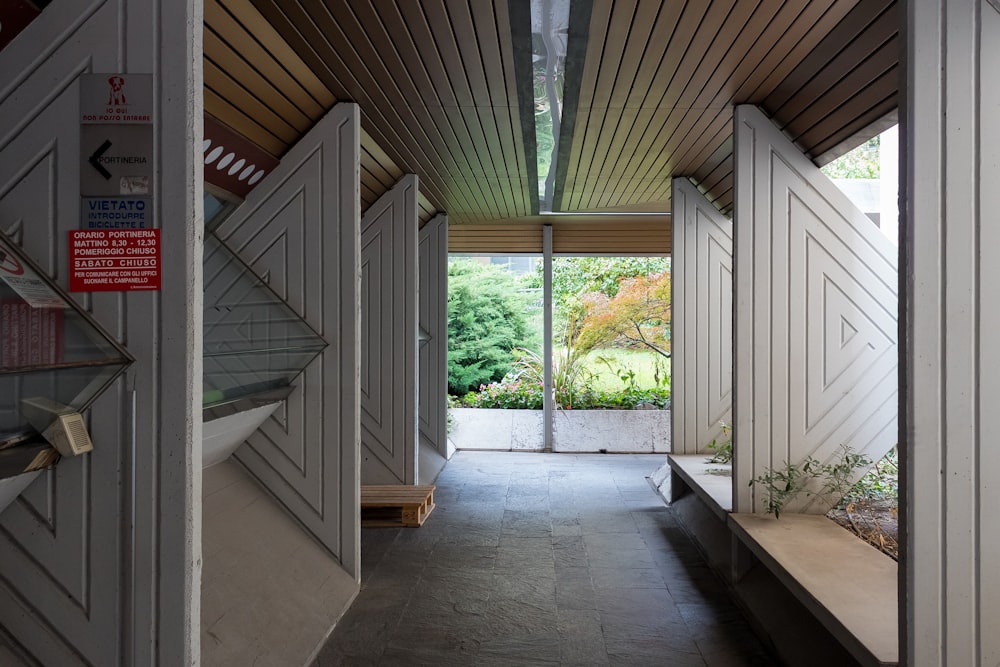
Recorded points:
701,382
99,561
300,229
951,266
432,247
389,337
816,311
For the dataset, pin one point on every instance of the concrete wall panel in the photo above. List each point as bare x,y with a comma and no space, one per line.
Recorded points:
950,241
299,230
99,558
816,318
389,337
433,259
702,315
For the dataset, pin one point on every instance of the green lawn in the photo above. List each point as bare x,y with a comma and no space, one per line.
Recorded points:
643,364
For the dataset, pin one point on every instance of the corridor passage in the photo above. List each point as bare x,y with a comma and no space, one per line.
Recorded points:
541,559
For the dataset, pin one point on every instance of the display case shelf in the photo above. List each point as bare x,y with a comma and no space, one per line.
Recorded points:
50,349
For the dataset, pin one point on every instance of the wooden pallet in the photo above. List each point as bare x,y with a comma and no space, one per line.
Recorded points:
395,506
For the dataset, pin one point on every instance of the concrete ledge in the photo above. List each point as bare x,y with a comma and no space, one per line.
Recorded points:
815,592
577,431
709,481
849,586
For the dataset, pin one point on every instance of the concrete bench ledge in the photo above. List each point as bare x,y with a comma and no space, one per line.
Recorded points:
849,586
712,482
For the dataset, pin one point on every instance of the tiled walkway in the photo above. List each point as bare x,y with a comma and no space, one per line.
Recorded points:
541,559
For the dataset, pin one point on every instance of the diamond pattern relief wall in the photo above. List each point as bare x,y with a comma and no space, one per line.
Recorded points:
299,229
702,315
389,337
816,295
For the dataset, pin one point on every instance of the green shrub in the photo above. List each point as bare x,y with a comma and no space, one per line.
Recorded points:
783,484
516,395
520,394
486,320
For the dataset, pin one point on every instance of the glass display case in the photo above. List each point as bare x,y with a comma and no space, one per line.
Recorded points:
53,357
254,343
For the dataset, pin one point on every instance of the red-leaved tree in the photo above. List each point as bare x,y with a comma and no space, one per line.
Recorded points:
638,316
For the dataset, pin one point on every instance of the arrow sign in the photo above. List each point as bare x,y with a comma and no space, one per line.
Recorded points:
96,156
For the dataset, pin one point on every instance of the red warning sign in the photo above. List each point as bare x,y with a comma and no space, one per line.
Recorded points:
105,260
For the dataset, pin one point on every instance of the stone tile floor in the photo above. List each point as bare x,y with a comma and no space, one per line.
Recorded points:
541,559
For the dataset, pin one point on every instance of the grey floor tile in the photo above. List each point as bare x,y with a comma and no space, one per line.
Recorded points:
541,559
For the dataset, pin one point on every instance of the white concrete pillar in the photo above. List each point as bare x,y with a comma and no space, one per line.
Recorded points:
951,264
100,562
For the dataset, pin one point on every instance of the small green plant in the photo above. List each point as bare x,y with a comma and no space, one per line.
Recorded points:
882,481
789,481
838,477
722,449
785,483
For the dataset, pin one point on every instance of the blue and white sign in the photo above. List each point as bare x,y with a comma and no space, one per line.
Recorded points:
117,213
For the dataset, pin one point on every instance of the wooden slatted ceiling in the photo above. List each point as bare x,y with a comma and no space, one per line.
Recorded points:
571,235
256,84
657,94
435,83
436,88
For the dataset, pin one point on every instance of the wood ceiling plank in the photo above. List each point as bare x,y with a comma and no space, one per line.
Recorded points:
692,17
732,68
224,86
423,36
704,129
641,47
370,147
270,55
784,33
688,72
631,128
379,117
516,141
402,63
468,42
824,47
838,132
283,57
498,119
718,169
870,45
296,28
651,66
420,90
219,53
457,135
619,120
611,52
446,44
600,18
375,72
710,138
864,75
492,21
241,123
709,32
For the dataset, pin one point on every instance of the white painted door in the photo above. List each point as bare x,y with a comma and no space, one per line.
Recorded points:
389,337
702,316
298,230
